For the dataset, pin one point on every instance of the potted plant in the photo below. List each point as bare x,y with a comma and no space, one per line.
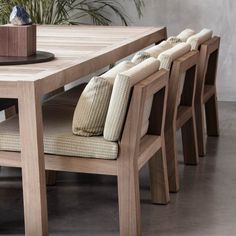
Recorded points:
70,11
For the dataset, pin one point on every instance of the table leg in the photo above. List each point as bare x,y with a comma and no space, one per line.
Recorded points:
32,157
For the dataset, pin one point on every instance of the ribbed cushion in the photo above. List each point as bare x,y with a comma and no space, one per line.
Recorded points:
121,94
111,74
58,138
90,112
166,58
185,34
196,40
155,51
140,57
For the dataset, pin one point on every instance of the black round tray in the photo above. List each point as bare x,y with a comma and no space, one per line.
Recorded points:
39,57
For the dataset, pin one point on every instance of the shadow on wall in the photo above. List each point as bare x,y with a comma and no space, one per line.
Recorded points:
218,15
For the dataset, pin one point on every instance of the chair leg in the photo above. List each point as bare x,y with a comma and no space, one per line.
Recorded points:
189,139
212,121
51,177
159,178
199,112
172,162
129,200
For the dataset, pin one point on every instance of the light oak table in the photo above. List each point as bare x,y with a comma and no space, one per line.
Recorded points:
79,50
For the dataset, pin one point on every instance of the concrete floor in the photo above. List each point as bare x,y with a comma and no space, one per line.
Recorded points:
86,205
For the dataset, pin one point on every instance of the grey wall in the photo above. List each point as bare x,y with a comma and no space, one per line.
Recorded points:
218,15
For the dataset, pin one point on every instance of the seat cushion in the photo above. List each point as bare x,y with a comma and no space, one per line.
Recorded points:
140,57
156,50
196,40
121,94
91,110
185,34
58,138
166,58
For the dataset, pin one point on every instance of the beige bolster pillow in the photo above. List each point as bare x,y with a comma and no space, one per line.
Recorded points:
155,51
166,58
196,40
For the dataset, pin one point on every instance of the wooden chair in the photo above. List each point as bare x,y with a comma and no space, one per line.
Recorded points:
10,108
181,115
134,151
206,95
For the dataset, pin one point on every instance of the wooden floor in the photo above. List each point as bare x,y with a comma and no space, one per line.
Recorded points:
86,205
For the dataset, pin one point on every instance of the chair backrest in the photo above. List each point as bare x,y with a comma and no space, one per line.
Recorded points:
120,97
167,57
213,46
156,86
208,60
182,64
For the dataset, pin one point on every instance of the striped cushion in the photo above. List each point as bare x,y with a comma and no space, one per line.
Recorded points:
140,57
196,40
111,74
166,58
90,112
185,34
121,94
155,51
58,138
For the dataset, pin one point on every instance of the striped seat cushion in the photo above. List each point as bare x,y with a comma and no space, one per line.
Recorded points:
91,110
58,138
120,97
197,39
185,34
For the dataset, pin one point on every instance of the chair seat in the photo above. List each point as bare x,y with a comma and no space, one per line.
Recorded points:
58,136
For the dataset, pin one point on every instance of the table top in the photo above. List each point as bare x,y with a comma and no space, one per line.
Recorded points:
81,50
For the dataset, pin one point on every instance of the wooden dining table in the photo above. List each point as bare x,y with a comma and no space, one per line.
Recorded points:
79,51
